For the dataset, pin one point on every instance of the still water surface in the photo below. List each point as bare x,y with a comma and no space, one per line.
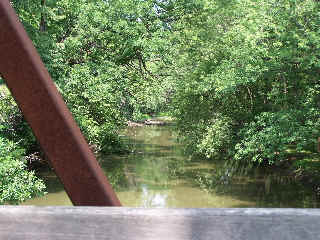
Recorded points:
159,174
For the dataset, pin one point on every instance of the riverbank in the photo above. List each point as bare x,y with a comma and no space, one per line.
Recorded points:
160,120
303,168
307,170
158,173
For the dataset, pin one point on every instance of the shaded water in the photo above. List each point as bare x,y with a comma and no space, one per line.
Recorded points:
158,174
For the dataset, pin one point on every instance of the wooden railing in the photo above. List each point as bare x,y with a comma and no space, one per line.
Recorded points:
95,223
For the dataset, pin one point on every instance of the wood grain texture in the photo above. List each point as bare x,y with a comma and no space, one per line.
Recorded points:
65,223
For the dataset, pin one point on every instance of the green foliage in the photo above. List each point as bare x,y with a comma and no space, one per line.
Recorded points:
109,59
268,138
254,64
17,184
241,77
127,48
94,107
13,125
217,138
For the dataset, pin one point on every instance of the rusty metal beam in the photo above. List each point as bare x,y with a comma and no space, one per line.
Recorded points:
49,117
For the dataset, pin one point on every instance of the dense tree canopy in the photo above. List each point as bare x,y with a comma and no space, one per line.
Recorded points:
249,80
240,77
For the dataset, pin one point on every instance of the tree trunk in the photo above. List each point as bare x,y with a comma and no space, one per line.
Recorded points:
43,26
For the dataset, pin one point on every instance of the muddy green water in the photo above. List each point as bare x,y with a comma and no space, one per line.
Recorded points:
159,174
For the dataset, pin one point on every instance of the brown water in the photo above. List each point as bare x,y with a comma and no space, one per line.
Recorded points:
159,174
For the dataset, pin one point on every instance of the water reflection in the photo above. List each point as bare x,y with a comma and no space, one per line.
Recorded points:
158,174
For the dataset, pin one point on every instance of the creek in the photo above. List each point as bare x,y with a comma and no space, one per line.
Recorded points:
159,174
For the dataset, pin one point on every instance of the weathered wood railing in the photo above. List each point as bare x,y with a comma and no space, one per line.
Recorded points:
93,223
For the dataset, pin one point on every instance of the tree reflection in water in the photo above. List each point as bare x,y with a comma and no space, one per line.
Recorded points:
158,174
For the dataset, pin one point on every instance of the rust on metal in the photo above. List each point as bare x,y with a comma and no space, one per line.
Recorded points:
49,117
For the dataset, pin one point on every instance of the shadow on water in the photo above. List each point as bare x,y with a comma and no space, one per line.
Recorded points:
271,191
262,189
158,174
